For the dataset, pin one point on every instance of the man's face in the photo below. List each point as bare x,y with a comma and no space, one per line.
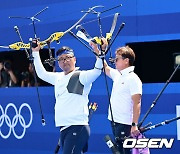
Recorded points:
121,62
67,62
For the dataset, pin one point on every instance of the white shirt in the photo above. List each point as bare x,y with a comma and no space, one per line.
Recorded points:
70,108
125,84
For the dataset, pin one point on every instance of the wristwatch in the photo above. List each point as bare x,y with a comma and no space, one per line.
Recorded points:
134,124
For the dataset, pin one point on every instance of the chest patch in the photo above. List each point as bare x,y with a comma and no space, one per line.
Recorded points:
74,86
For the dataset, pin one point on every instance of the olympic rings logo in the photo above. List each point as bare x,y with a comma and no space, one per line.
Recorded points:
4,118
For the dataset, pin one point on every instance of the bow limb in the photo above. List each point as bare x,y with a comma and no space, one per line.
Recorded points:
19,45
109,35
54,37
82,33
119,30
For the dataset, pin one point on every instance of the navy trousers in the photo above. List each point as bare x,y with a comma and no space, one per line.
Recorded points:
120,131
74,138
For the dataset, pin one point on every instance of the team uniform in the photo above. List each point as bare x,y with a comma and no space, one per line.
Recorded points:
125,84
71,108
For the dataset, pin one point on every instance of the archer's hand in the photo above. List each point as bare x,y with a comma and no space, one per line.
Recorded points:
94,47
104,44
36,49
134,131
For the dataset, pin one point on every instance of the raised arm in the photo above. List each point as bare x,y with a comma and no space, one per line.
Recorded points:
40,70
89,76
96,49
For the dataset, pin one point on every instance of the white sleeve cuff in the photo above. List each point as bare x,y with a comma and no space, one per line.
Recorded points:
98,64
35,54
